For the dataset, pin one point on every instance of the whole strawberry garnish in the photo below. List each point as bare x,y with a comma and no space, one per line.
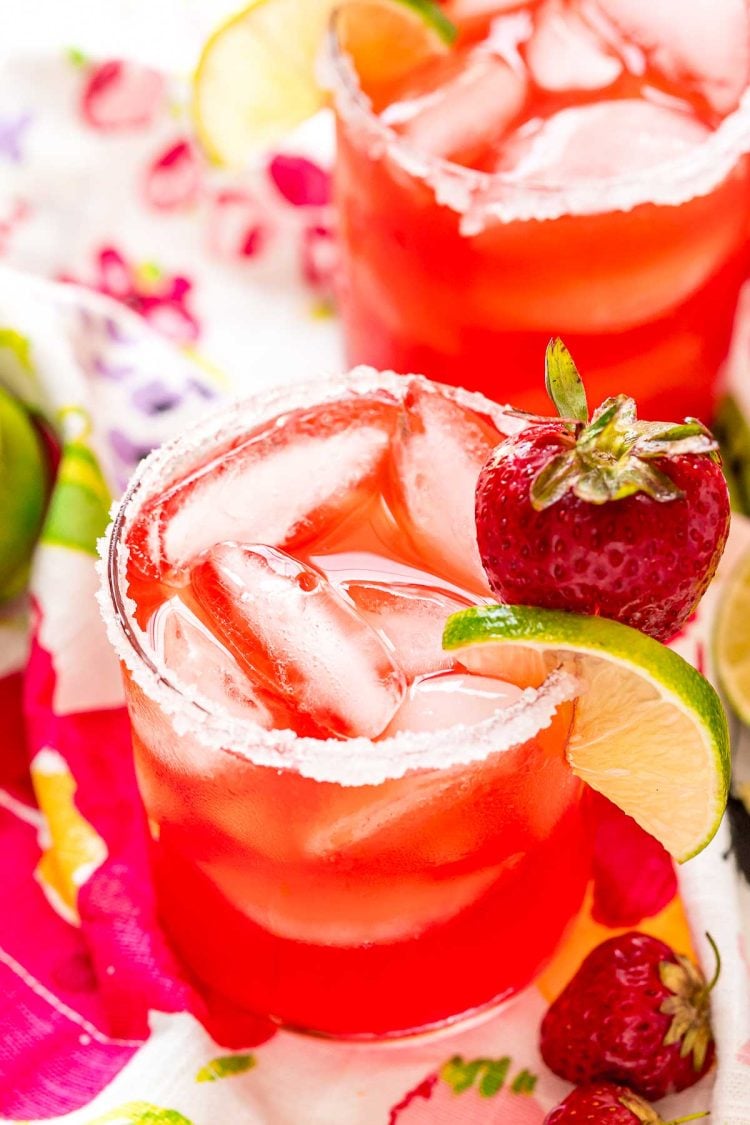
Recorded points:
605,1102
610,516
635,1013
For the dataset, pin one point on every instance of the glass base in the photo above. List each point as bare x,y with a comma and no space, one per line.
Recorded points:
441,1029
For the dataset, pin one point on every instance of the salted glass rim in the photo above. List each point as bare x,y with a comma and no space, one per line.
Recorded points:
481,196
357,761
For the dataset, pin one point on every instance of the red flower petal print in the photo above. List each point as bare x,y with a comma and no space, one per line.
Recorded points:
121,95
238,227
302,182
159,298
319,258
173,180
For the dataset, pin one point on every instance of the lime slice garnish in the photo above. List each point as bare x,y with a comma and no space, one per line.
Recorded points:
256,77
23,492
649,733
731,640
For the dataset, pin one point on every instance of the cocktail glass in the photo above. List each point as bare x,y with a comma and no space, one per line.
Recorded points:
355,885
463,271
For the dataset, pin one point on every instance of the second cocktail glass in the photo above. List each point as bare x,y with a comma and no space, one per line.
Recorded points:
553,174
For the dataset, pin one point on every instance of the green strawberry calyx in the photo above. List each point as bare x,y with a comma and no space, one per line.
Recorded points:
611,455
688,1005
645,1114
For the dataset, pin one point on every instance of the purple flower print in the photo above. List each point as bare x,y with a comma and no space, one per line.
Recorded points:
115,332
114,371
203,390
128,451
156,398
12,130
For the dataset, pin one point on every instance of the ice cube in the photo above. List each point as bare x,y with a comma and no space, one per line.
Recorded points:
564,53
393,820
436,455
702,46
412,618
284,485
295,634
599,141
202,664
449,698
459,108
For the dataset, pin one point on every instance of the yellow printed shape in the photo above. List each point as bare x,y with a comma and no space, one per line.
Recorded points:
670,925
19,347
72,848
212,370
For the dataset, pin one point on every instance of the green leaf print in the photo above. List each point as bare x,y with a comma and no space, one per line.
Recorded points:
78,511
141,1113
493,1079
224,1067
524,1082
488,1076
77,57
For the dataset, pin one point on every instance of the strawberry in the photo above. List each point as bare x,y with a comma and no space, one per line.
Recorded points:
610,516
634,876
635,1013
617,1105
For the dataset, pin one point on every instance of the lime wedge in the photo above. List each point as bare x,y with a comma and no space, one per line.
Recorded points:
649,733
256,77
731,640
23,492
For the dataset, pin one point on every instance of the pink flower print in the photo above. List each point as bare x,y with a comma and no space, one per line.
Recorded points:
300,181
173,179
319,258
18,212
159,298
121,95
238,226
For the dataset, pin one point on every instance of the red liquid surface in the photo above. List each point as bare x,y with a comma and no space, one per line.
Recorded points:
644,297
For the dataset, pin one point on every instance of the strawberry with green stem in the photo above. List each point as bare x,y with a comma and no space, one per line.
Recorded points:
635,1013
617,1105
605,515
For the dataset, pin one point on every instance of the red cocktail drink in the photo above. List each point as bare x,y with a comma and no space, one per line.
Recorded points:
351,832
572,169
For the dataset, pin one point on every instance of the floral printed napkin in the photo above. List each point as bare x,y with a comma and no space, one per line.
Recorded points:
192,284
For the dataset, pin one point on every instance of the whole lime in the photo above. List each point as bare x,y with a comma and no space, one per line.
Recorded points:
24,476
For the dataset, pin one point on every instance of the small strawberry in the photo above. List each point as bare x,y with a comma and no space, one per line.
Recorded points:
634,1013
610,516
617,1105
